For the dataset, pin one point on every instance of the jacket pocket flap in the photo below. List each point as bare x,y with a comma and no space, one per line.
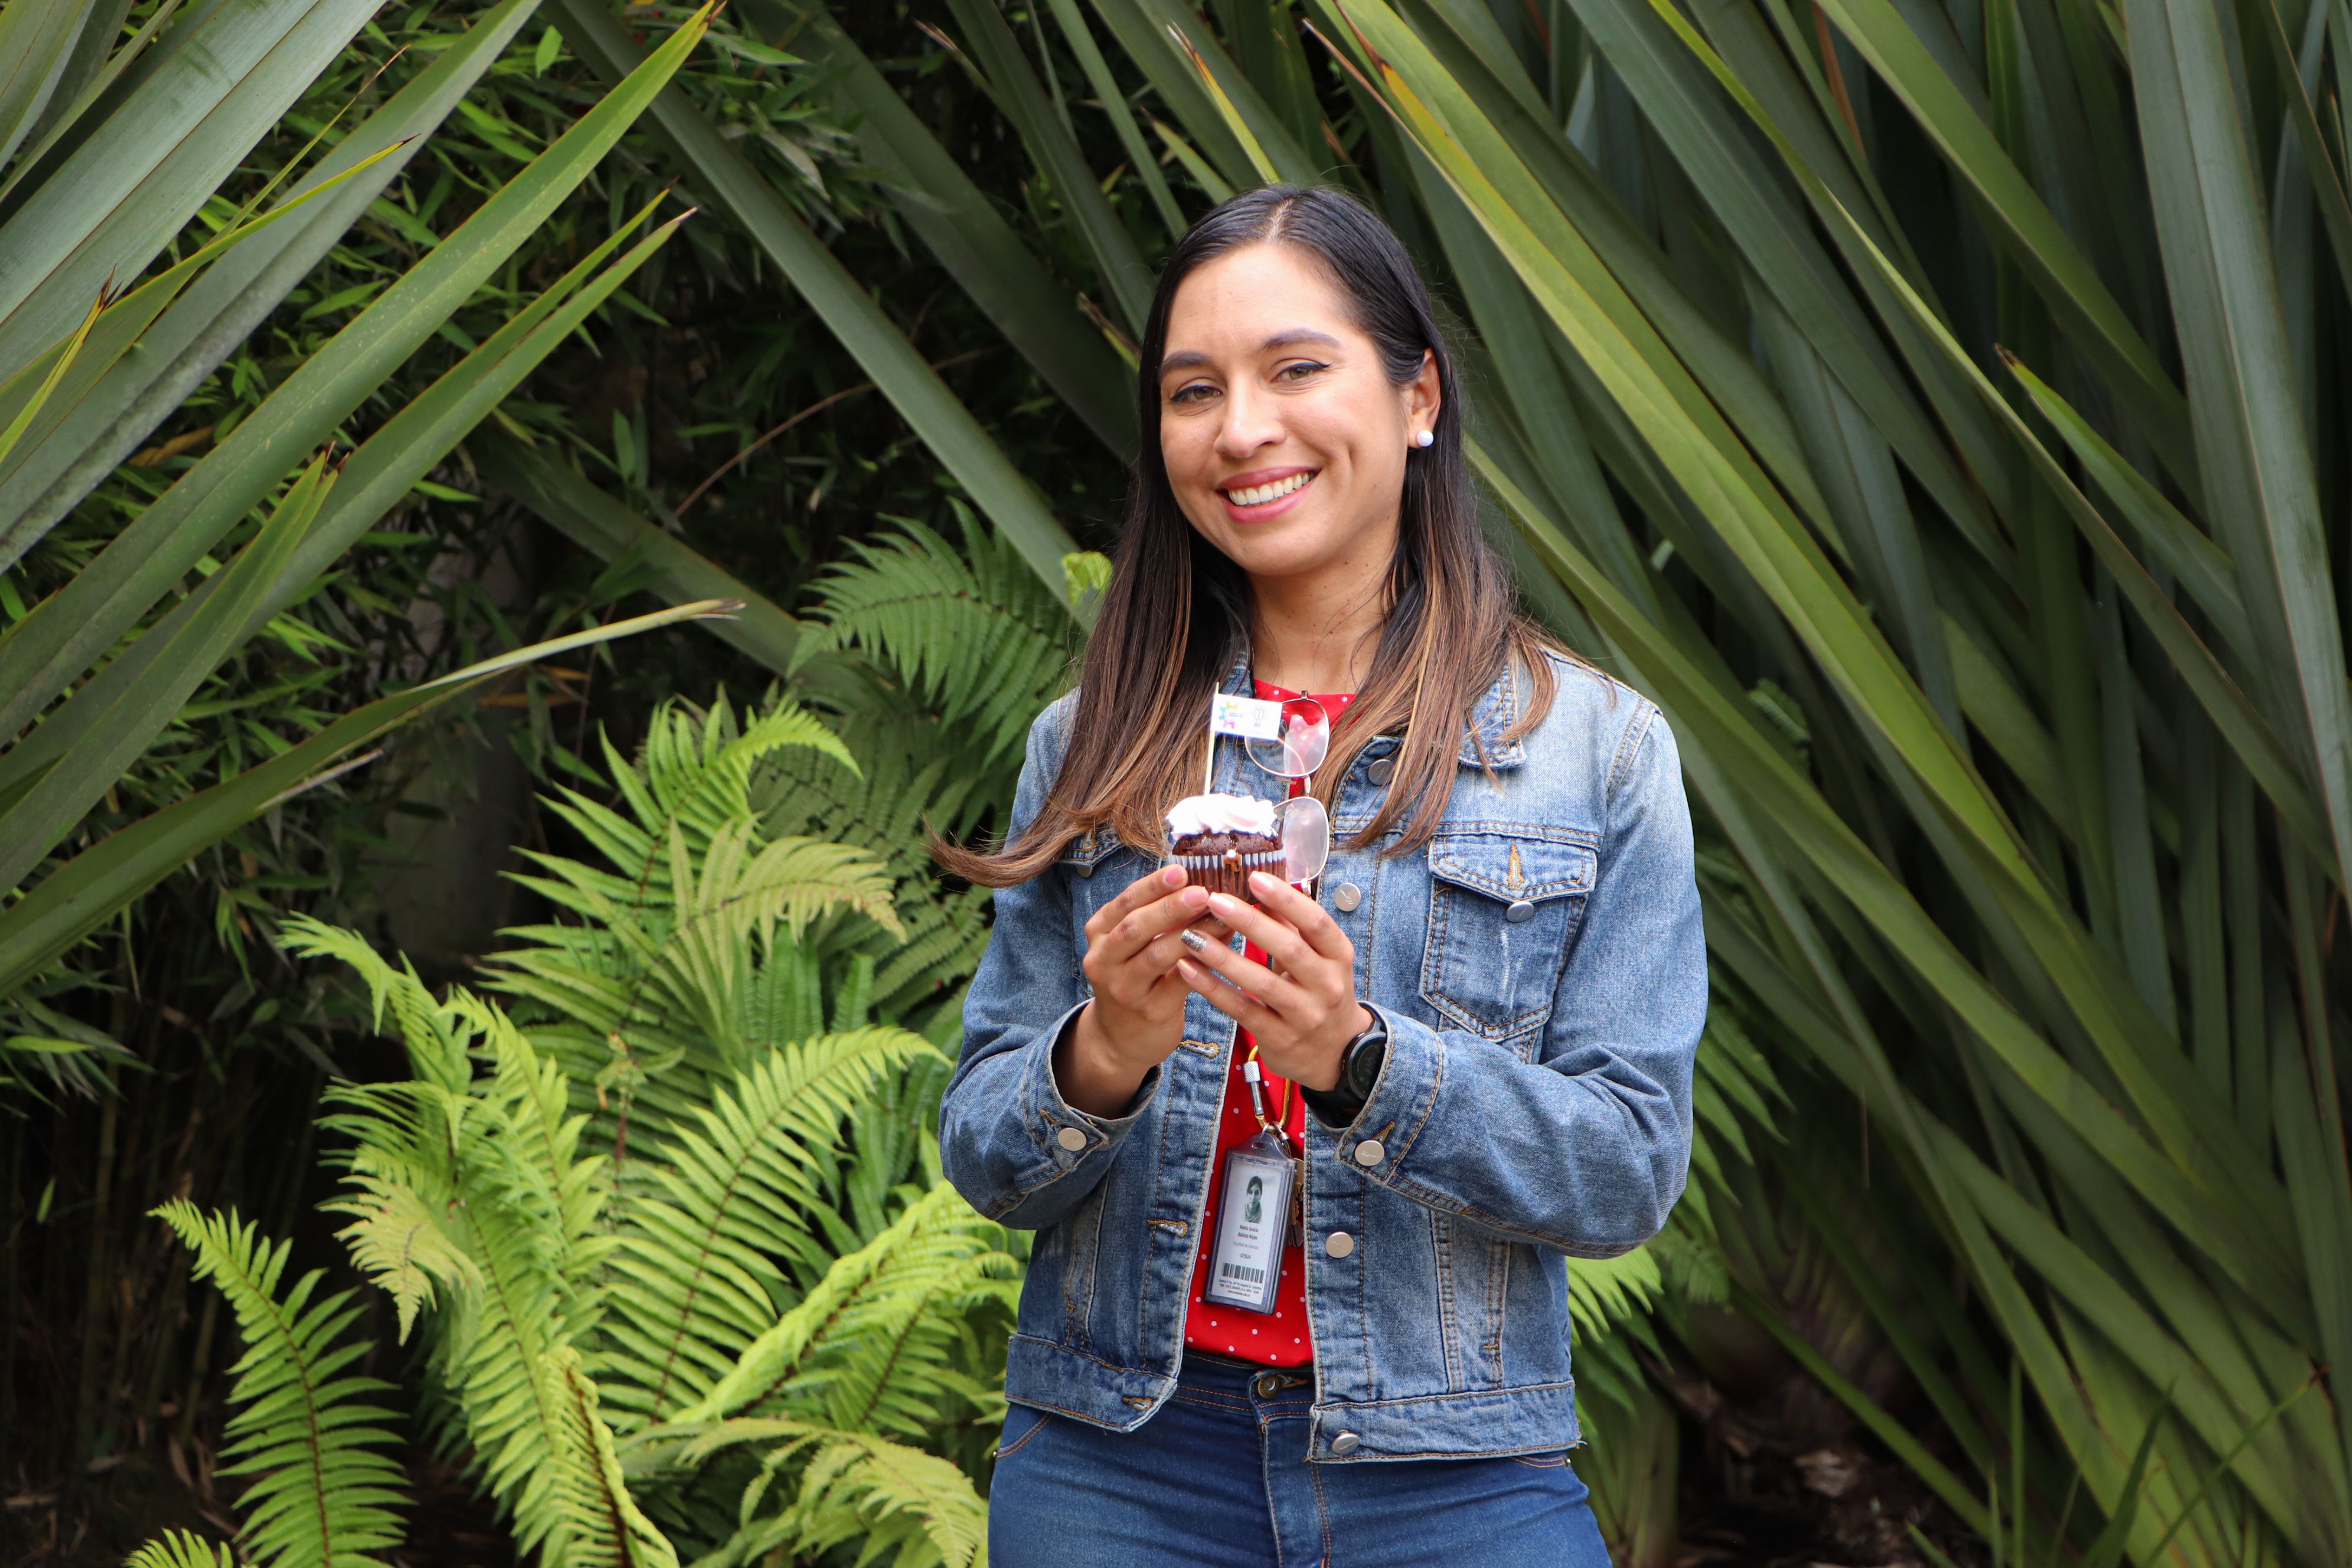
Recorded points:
1502,866
1089,849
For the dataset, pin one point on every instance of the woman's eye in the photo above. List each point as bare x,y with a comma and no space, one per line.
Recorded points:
1300,370
1195,393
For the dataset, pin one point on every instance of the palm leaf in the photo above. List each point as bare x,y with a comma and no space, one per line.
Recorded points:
1009,499
40,654
83,893
109,405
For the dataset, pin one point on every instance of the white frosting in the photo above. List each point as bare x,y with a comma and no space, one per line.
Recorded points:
1220,814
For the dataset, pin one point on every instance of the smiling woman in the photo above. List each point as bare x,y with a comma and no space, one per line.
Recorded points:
1297,1295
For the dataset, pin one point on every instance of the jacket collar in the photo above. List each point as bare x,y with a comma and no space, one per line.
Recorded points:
1491,717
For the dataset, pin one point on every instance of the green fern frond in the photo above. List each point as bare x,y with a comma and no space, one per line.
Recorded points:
945,940
677,974
599,1523
325,1491
914,1509
894,1139
746,886
1610,1303
697,774
493,1162
676,1021
701,1281
692,775
857,1343
974,633
530,1222
882,806
1606,1292
886,809
436,1047
1733,1085
397,1241
541,1134
181,1549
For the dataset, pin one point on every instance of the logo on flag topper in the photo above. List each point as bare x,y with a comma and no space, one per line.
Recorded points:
1247,717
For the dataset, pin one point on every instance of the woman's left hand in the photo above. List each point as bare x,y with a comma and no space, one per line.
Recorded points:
1303,1009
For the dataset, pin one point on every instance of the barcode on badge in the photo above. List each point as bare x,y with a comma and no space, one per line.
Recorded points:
1246,1275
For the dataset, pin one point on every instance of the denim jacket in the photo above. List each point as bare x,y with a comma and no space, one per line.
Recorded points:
1542,974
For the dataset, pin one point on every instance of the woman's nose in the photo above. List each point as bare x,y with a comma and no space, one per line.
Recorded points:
1249,425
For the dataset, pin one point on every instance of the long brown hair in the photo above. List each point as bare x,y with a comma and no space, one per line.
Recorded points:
1177,613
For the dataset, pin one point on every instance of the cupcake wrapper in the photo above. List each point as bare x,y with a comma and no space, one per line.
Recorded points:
1229,874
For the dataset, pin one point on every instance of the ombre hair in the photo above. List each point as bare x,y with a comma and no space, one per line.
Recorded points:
1176,615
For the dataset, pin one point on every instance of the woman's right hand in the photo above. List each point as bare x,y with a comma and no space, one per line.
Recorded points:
1136,1019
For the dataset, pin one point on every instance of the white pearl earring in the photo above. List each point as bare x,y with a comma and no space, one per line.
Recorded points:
1426,438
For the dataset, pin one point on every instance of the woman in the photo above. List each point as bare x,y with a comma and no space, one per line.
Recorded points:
1488,1007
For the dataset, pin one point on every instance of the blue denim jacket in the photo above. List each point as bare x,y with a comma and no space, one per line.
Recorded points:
1542,973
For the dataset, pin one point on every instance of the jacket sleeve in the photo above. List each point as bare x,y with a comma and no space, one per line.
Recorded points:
1586,1149
1016,1151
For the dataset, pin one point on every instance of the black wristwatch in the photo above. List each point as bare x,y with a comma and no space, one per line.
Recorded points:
1359,1073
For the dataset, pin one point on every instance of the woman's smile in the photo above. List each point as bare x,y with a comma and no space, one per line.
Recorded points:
1264,494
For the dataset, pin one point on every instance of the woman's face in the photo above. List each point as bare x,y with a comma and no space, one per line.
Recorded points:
1284,438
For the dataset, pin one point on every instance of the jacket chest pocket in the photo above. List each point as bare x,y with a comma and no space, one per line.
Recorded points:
1502,912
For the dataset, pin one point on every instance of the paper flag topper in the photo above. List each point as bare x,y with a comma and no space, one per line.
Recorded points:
1247,717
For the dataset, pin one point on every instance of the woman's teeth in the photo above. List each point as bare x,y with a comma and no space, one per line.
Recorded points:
1258,495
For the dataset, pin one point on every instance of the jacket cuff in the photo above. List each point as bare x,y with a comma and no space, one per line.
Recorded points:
1401,1101
1065,1135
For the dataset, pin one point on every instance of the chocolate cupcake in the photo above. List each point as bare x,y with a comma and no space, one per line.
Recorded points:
1220,839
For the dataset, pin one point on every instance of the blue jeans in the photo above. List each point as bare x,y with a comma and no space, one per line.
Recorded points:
1220,1479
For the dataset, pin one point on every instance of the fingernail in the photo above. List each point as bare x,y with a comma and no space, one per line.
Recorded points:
1172,876
1195,898
1220,903
1194,940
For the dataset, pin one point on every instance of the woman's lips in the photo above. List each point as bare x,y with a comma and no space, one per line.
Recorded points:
1287,489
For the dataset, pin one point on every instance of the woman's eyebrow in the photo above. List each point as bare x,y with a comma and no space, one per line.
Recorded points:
1193,359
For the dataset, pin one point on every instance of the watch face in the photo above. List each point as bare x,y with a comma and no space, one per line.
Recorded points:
1364,1065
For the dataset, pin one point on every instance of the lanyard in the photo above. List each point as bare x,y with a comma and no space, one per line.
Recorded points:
1255,1075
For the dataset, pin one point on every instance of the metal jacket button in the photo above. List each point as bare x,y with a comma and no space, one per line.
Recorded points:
1369,1151
1070,1138
1346,897
1339,1244
1520,912
1379,771
1345,1443
1269,1384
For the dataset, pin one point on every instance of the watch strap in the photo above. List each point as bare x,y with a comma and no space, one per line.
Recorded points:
1341,1103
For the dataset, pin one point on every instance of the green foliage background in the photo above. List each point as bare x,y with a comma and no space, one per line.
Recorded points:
1936,404
109,1353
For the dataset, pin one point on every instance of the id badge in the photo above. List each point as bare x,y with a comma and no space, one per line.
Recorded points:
1252,1221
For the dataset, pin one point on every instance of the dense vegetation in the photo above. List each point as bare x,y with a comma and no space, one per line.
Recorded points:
1934,406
